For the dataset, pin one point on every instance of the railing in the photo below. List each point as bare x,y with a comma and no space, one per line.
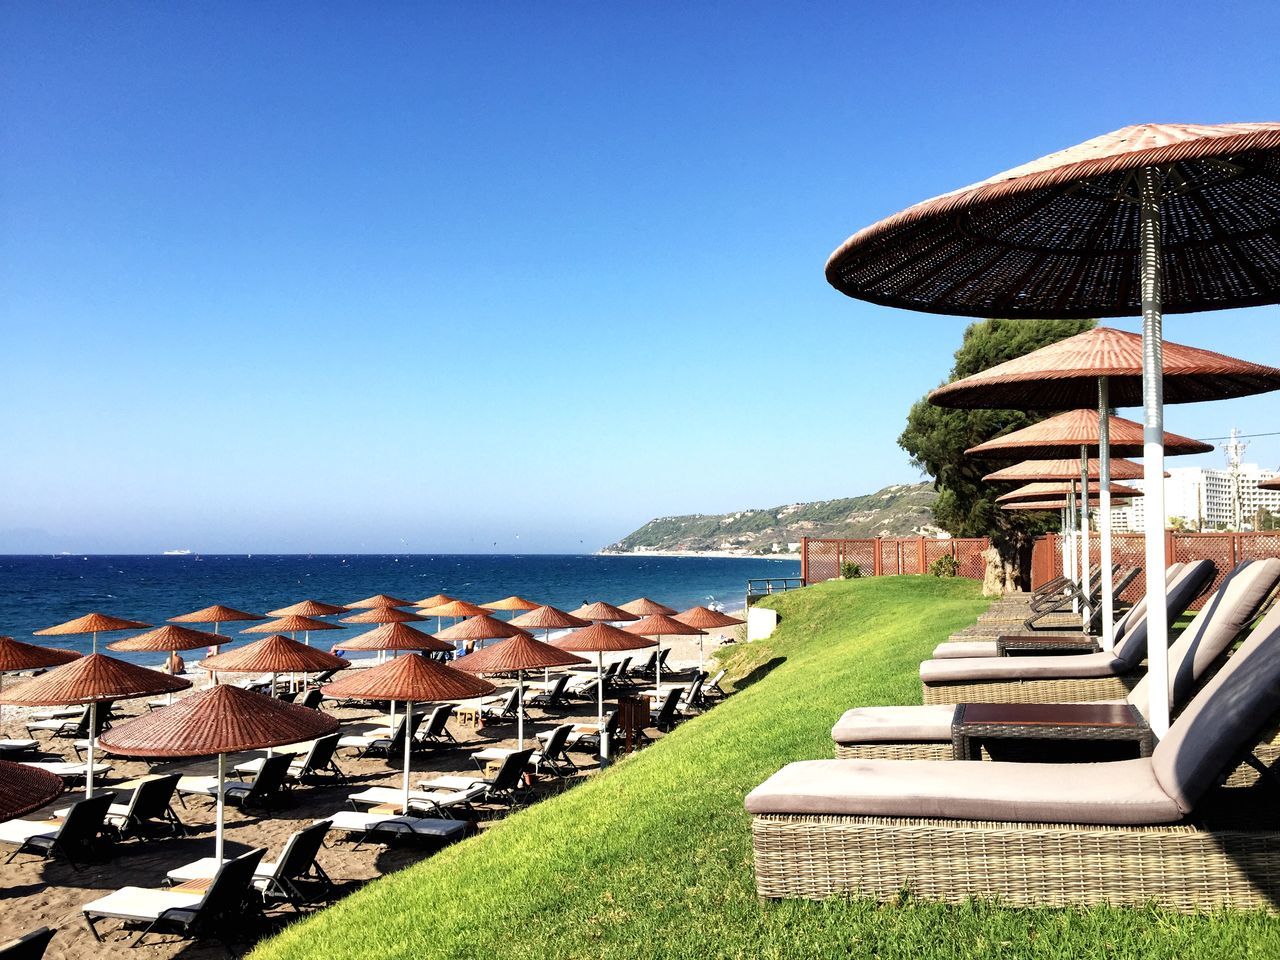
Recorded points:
824,559
758,587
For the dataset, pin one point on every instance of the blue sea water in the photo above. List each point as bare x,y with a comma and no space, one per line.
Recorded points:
41,591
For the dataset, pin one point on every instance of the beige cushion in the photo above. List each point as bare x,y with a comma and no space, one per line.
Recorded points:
966,648
895,724
1121,792
1022,668
1222,719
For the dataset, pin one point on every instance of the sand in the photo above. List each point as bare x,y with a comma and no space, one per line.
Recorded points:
36,893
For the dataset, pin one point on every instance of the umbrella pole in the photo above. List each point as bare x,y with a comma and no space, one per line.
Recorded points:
1153,451
1065,550
408,736
222,777
520,709
1086,586
604,740
93,730
1104,514
657,669
1075,545
95,641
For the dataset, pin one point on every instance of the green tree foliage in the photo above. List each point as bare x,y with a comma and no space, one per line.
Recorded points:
936,438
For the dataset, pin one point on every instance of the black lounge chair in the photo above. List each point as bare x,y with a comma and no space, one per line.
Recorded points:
435,731
587,737
317,763
147,813
554,754
264,791
29,946
75,728
503,787
74,836
551,697
668,713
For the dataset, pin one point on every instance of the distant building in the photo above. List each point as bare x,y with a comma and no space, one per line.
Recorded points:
1204,499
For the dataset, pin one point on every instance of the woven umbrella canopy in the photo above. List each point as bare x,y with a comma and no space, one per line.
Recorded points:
383,615
167,639
1051,490
455,608
601,612
546,619
511,603
1077,433
1063,470
704,618
293,624
91,680
23,789
1272,484
220,720
308,608
644,607
1148,219
601,638
1059,503
659,625
435,600
412,679
16,655
379,600
516,655
481,628
275,654
94,623
394,636
217,614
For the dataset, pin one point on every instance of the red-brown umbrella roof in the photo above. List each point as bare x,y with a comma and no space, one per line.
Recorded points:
16,655
511,603
393,636
644,607
222,719
518,653
1057,504
275,654
92,623
1048,490
91,679
601,611
383,615
480,628
1064,375
1058,237
216,614
1065,469
1272,484
169,637
1063,436
601,638
547,618
454,608
660,625
409,678
704,618
379,600
293,624
23,789
309,608
436,600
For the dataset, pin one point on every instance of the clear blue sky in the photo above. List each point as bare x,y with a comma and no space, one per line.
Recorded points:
435,277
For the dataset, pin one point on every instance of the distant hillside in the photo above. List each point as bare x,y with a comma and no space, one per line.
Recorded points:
897,511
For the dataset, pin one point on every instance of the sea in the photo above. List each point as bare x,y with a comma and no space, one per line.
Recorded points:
42,591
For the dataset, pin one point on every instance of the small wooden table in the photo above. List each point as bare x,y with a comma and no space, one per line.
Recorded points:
468,717
977,722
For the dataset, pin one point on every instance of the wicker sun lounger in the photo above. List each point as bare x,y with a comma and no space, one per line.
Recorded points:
925,732
1127,832
1086,676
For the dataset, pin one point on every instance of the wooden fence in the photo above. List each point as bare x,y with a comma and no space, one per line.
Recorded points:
822,559
1128,549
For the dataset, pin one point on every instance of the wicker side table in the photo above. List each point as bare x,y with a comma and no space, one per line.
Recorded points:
978,722
1024,644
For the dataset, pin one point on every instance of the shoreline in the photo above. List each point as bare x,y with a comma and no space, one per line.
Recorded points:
701,554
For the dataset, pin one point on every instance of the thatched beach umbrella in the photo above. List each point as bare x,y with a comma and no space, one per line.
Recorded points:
382,615
394,636
1062,470
511,604
412,679
308,608
516,655
1149,219
644,607
601,638
379,600
435,600
481,628
704,618
658,626
1050,490
293,624
217,614
217,721
166,639
601,612
275,655
23,789
89,681
94,623
16,655
1272,484
1056,503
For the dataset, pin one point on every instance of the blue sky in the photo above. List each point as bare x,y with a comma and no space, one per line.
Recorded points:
464,277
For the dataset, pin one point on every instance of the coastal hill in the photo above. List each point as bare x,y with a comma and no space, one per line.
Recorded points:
901,510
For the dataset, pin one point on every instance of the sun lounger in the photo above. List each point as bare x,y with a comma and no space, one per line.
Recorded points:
553,754
74,836
389,826
69,771
263,791
146,812
1151,829
75,726
503,787
382,742
190,910
9,747
587,736
436,803
29,946
289,878
315,763
435,731
925,732
1086,676
499,708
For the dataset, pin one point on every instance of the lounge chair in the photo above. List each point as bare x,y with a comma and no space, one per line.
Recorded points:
315,763
386,827
1150,829
69,770
29,946
147,812
194,909
553,696
666,717
11,748
1085,676
74,836
502,707
76,727
435,731
925,732
587,736
711,690
264,791
503,787
288,878
382,742
553,754
436,803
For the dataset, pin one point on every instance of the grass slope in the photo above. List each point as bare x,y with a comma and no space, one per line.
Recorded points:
653,857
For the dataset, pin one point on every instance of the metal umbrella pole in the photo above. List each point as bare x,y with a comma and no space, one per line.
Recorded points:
222,805
1104,514
1085,581
408,738
93,739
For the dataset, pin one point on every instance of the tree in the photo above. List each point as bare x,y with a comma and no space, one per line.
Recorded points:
936,439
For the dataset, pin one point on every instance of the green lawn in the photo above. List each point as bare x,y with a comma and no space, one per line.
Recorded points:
653,857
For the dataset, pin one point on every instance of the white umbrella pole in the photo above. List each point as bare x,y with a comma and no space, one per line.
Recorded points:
1065,545
222,806
1073,553
1153,452
95,641
1104,512
408,736
1086,586
93,729
520,709
604,741
657,668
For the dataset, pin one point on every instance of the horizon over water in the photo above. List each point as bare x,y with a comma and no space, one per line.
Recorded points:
38,591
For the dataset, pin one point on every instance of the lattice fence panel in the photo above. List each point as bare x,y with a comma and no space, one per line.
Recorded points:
889,560
822,560
1257,546
933,549
861,552
969,553
1218,547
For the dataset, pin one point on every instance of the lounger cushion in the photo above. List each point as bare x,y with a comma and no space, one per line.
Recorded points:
349,821
1120,792
1183,586
916,724
1230,710
20,831
1064,666
966,648
143,903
